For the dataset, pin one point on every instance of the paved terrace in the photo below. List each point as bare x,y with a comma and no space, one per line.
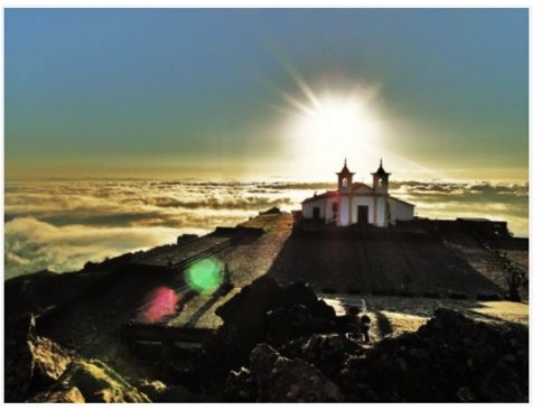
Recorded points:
365,267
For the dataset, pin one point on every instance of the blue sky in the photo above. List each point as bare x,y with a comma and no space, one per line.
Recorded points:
186,92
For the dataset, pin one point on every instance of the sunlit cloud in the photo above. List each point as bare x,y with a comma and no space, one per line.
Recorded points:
32,245
450,200
61,225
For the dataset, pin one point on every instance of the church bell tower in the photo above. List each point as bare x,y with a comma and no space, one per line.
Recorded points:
381,180
344,179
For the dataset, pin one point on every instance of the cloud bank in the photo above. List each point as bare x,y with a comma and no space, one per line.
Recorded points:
60,225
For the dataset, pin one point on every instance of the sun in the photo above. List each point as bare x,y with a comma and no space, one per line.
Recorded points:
337,119
326,127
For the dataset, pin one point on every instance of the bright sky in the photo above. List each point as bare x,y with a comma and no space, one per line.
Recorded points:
438,93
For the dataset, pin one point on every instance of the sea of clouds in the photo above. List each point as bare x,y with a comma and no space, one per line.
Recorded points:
59,225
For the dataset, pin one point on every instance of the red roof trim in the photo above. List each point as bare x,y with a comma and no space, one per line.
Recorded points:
327,194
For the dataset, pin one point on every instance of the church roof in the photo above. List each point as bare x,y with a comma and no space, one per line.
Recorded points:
401,201
380,171
345,169
356,186
328,194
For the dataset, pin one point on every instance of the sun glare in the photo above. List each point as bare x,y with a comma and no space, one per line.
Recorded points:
328,127
340,120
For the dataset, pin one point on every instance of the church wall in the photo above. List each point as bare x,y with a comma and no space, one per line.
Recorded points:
344,203
401,211
381,212
307,209
330,215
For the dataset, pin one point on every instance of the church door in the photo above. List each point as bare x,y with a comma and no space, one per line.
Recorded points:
316,213
363,211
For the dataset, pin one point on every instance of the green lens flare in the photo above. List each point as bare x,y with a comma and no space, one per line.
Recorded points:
205,275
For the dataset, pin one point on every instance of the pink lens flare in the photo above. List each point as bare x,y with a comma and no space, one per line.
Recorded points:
159,303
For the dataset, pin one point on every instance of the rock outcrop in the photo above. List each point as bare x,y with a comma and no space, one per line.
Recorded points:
33,362
99,383
158,391
39,370
265,311
274,378
451,358
50,361
283,344
72,395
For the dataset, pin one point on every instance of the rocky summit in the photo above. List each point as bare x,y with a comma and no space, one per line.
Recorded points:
267,333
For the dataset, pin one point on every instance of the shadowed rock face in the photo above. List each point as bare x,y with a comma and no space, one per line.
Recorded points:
283,344
72,395
39,370
265,310
50,359
89,381
275,378
99,383
19,363
450,359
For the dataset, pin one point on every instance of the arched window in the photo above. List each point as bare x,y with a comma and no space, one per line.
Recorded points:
344,182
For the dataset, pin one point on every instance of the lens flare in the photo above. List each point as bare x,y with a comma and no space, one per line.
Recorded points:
205,275
159,303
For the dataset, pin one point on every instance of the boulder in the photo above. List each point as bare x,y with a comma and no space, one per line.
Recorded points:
288,323
266,312
50,361
71,394
240,386
32,362
328,352
297,381
450,359
157,391
301,293
274,378
244,319
99,383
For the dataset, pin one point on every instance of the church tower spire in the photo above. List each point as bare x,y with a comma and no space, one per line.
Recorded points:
381,179
344,178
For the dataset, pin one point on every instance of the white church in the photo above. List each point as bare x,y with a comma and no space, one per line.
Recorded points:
358,203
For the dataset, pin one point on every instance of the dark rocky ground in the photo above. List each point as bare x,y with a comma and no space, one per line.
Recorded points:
271,342
283,344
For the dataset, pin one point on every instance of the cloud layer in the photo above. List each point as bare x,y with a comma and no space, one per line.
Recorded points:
60,225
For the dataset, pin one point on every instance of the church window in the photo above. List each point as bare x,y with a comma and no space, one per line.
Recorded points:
344,182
